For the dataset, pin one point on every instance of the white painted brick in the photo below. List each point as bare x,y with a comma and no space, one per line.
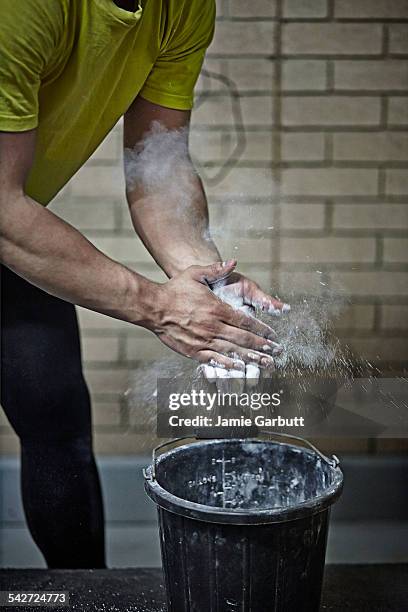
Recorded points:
244,182
143,418
217,110
145,347
4,422
302,146
257,110
87,215
394,316
110,149
329,181
398,111
298,283
251,74
396,250
107,380
331,38
371,74
246,250
397,181
378,283
100,349
374,9
302,216
384,146
125,220
123,249
125,443
356,317
206,145
327,250
63,195
303,74
220,5
240,217
330,110
94,181
304,8
106,414
370,216
90,320
238,38
258,146
9,444
255,8
398,38
376,348
213,110
210,82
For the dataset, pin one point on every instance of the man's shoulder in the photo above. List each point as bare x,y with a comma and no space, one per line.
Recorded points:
45,12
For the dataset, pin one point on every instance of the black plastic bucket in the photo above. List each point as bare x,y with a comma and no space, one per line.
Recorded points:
243,524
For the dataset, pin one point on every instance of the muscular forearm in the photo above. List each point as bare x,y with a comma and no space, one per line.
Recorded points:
174,229
54,256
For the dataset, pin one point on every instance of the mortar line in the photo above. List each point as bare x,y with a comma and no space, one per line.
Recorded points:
276,141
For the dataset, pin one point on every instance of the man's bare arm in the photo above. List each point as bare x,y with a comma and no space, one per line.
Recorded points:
171,214
53,255
173,223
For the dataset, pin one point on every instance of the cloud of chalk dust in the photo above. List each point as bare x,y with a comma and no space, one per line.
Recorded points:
161,165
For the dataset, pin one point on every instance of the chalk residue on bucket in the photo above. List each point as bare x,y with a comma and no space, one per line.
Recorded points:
251,480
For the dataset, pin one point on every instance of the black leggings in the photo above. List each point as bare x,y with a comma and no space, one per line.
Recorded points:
45,397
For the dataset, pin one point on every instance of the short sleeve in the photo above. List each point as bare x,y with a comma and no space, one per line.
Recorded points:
174,75
27,41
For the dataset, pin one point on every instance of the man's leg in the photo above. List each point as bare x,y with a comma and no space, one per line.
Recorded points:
46,401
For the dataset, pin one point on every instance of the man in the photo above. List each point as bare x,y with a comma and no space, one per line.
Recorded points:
69,69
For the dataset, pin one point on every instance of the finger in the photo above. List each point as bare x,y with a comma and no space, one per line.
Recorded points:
241,355
267,303
239,319
249,311
212,273
241,340
216,360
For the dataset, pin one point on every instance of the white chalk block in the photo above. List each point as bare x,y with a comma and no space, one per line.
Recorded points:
209,372
236,380
236,373
221,379
252,374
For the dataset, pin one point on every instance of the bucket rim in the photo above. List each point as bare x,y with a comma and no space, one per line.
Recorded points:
177,505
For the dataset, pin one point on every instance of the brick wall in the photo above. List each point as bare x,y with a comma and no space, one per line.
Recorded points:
301,135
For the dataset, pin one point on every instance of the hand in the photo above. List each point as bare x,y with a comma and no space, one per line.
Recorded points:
243,293
191,320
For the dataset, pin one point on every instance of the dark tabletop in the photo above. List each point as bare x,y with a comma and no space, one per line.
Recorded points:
354,588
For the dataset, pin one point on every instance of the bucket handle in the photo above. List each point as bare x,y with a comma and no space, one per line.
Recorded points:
150,472
333,462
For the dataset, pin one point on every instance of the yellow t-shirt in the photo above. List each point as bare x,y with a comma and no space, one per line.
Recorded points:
71,68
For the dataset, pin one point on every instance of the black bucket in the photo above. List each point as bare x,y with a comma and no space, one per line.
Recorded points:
243,524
